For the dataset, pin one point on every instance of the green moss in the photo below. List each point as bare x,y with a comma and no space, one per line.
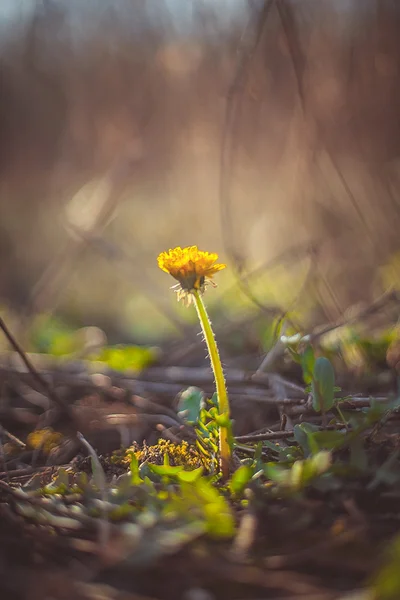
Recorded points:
182,454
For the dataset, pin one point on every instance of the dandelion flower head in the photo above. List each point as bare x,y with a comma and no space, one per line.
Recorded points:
191,267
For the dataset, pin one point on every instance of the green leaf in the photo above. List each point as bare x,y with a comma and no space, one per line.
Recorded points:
272,332
82,481
59,485
219,520
219,517
223,420
214,400
202,427
213,412
134,469
123,358
386,583
202,500
302,434
322,386
321,462
378,409
298,474
307,364
258,452
51,335
240,479
295,355
190,403
99,477
277,473
190,476
329,440
301,473
165,470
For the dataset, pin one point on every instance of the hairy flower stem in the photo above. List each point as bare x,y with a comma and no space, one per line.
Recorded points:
223,402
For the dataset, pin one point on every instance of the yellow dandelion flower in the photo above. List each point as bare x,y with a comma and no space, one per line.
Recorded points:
45,439
191,267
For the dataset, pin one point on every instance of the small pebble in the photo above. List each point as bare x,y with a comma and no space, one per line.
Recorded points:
197,594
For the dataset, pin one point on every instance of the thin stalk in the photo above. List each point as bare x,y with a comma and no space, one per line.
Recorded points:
223,402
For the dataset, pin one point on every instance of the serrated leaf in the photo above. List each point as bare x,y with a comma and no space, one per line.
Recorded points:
134,470
219,517
165,470
190,476
223,420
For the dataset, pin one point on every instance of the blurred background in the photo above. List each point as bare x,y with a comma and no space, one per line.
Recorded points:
266,131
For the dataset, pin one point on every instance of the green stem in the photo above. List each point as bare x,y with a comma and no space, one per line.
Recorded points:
223,402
